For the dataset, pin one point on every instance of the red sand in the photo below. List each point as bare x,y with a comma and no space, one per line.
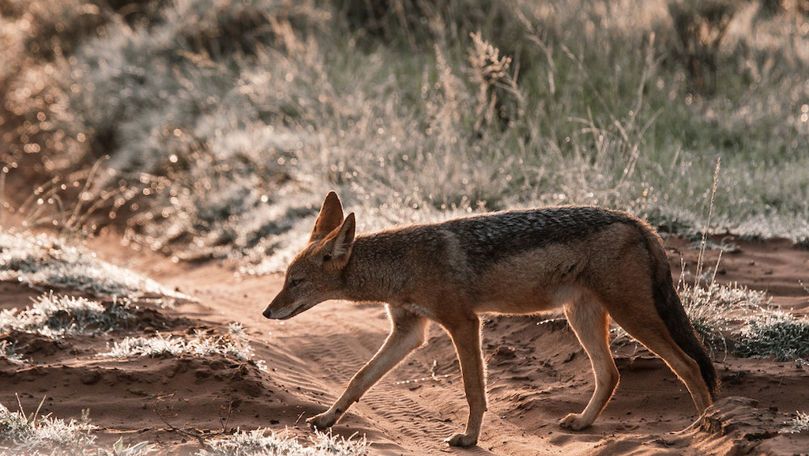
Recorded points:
537,373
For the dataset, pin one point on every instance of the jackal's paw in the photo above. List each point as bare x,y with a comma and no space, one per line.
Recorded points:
574,422
462,440
322,421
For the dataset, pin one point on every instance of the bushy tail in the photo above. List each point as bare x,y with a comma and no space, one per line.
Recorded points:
671,310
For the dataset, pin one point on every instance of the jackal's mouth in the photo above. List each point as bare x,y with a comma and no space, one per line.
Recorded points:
296,311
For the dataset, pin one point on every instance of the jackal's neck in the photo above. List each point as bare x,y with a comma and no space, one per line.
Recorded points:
376,270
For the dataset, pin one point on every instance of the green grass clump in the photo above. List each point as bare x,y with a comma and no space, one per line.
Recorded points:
262,442
57,315
773,333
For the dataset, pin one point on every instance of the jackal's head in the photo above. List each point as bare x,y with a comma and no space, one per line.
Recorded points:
315,274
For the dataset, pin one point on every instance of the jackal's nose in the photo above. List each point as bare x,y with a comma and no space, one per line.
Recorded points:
267,313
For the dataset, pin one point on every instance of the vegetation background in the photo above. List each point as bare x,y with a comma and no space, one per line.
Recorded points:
212,128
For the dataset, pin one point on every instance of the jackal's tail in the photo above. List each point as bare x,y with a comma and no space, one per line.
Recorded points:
671,310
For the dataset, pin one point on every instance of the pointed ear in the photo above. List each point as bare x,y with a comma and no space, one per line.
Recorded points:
339,243
330,217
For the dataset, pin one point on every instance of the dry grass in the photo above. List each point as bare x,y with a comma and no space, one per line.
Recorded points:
56,315
261,442
798,424
8,350
233,345
35,434
226,125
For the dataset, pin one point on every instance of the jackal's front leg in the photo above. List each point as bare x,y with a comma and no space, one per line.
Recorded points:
407,334
465,335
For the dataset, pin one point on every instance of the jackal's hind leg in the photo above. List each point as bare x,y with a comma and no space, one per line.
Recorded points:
407,334
590,322
654,335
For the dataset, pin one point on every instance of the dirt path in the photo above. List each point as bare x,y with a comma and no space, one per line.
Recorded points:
537,373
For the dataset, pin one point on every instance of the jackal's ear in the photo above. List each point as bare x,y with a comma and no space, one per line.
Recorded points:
338,245
330,217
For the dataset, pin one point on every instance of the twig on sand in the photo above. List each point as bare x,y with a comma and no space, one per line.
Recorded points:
223,420
196,435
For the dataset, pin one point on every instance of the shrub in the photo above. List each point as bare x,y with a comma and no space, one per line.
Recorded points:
773,333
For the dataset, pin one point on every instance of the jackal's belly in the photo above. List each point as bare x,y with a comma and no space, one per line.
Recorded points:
535,281
519,301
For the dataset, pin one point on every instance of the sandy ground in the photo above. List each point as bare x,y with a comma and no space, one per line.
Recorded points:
537,373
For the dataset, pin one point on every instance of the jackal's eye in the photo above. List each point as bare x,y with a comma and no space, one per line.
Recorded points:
294,282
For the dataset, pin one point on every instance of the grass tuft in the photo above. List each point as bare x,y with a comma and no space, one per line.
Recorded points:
715,310
36,434
744,321
262,442
773,333
30,434
233,345
56,315
8,350
796,425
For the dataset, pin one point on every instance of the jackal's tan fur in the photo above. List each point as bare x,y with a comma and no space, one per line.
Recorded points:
594,263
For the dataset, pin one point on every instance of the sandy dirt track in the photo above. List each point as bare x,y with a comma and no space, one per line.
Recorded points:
537,373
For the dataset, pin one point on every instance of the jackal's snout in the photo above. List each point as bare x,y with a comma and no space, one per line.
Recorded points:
286,311
276,314
286,305
275,310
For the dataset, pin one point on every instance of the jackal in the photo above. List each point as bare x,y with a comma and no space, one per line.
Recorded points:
593,263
